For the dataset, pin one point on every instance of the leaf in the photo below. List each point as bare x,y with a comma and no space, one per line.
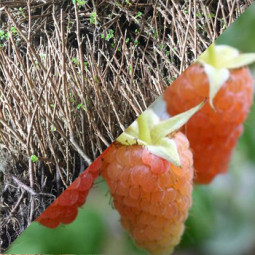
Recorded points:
34,158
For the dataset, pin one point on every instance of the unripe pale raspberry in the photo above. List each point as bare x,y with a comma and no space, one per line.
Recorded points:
65,208
152,195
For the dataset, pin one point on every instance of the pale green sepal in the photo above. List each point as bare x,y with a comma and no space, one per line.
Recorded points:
128,139
241,60
167,149
217,77
224,56
173,124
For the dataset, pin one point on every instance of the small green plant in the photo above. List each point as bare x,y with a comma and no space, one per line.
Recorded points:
79,3
75,61
81,106
96,79
21,12
86,65
71,98
109,35
127,1
3,35
127,40
34,158
93,18
13,30
139,14
136,42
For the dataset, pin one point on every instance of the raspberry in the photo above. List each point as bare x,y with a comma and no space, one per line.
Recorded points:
149,171
65,208
212,133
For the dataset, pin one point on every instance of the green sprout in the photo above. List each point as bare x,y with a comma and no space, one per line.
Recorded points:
96,79
86,66
127,1
79,106
93,18
3,35
79,2
127,40
71,98
75,61
109,35
139,14
34,158
13,30
21,12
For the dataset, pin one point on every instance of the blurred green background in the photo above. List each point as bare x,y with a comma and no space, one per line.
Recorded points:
221,221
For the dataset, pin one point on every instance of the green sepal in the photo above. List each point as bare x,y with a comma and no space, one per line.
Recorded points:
217,77
155,137
166,149
173,124
217,60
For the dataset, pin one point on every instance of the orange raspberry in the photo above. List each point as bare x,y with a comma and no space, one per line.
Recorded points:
65,208
152,195
212,133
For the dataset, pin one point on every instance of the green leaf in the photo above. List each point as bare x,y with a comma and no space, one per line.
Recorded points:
34,158
79,106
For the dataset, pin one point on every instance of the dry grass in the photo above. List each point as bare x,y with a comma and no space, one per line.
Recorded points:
73,77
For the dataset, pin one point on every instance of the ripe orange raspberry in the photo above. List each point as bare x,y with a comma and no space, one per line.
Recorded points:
152,195
213,133
151,190
65,208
